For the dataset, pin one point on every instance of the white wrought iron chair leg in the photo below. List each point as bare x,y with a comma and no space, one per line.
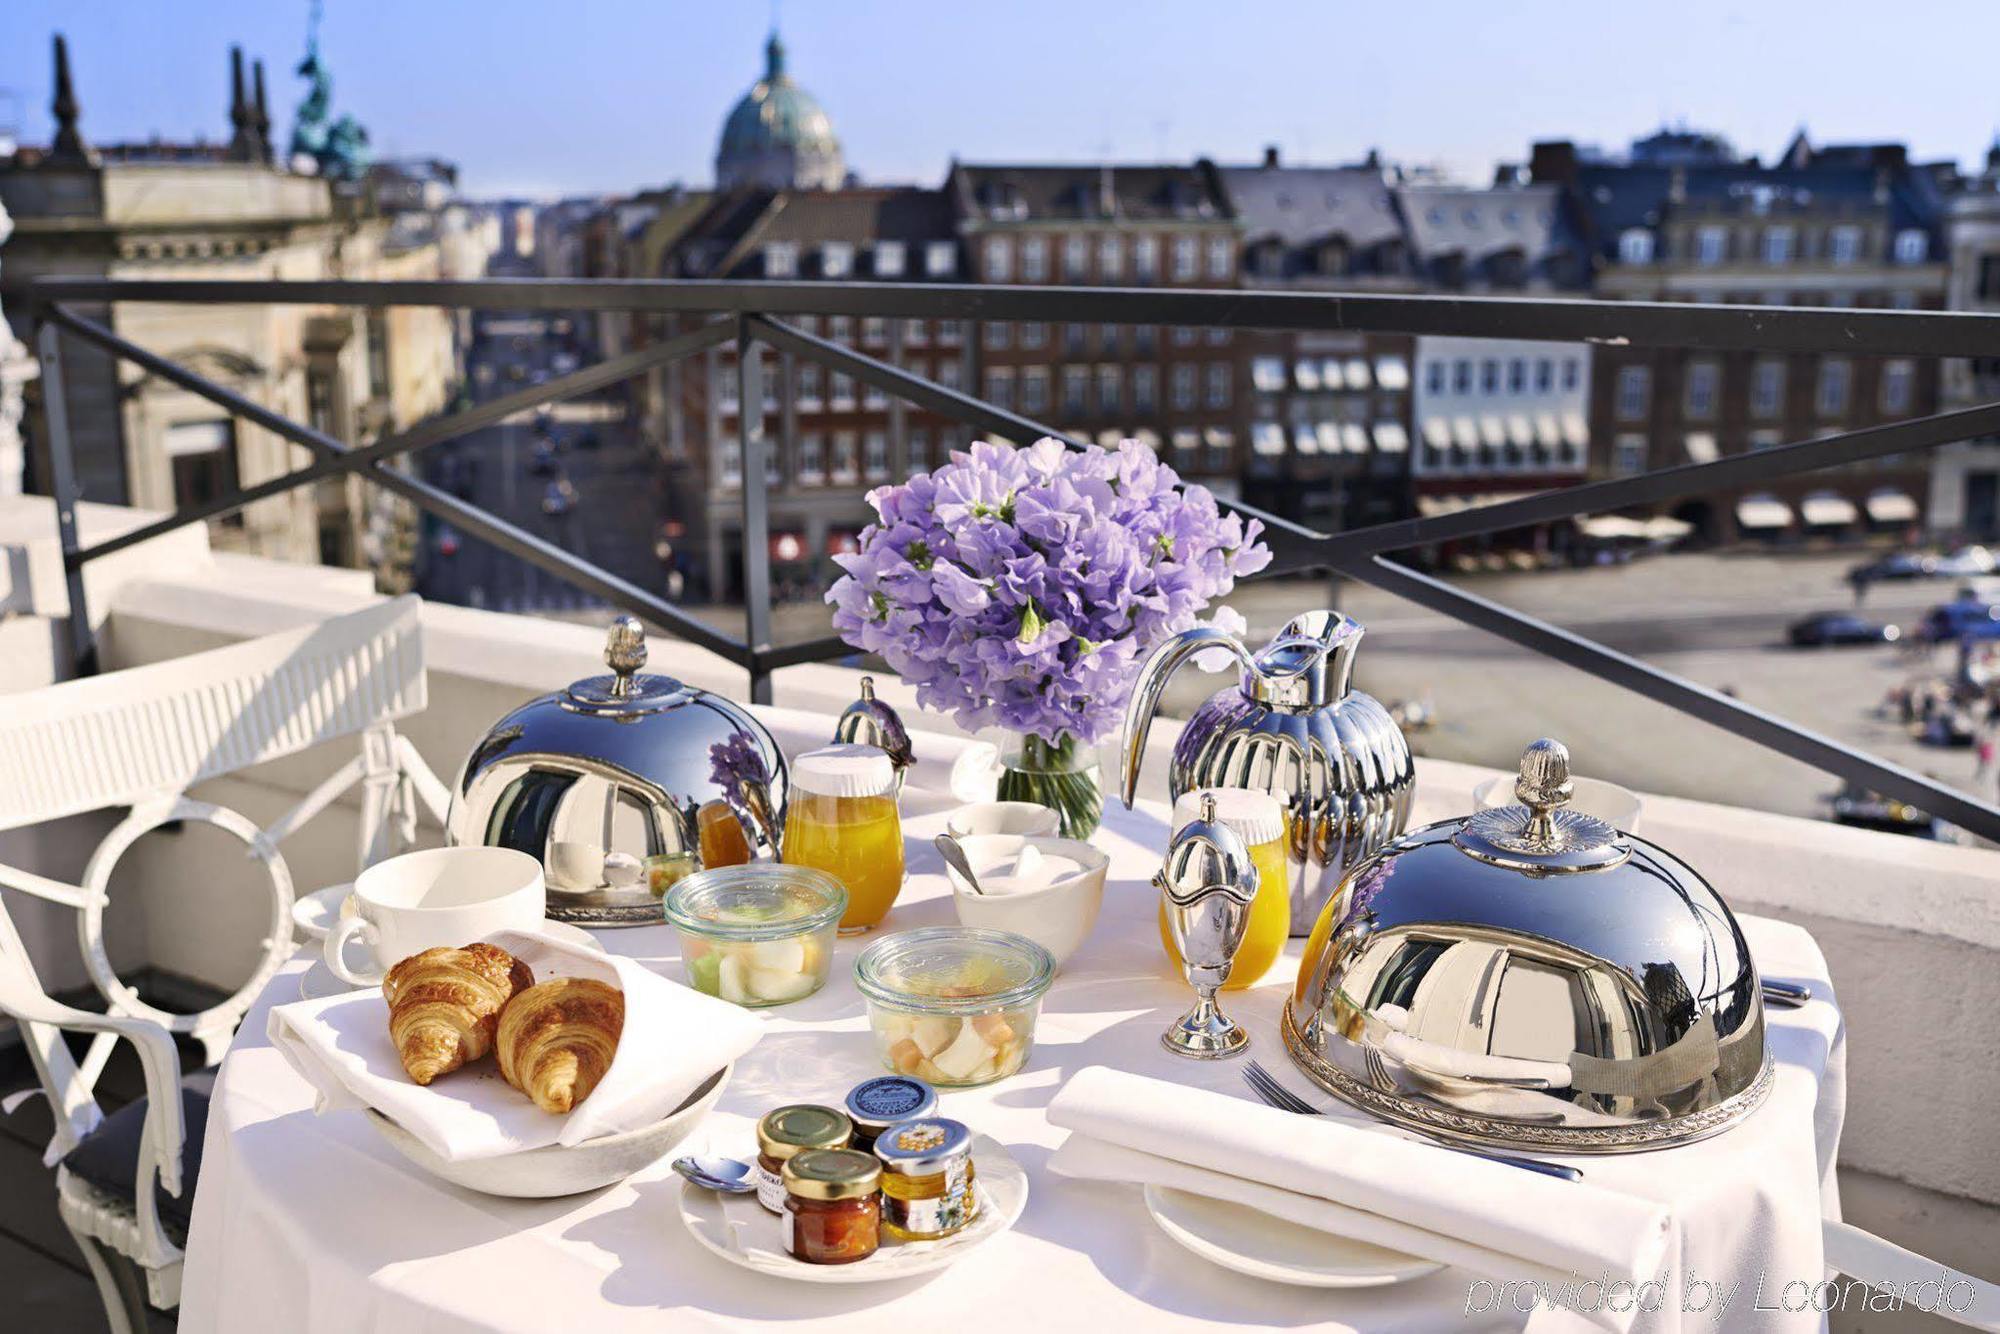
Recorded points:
121,1292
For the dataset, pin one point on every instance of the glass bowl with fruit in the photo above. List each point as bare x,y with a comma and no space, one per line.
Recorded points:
954,1006
760,934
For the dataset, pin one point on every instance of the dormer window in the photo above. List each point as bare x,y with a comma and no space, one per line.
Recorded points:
1635,246
940,259
1912,246
888,259
836,259
1002,200
781,259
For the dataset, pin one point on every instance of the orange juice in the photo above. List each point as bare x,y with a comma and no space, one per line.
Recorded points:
1262,829
853,833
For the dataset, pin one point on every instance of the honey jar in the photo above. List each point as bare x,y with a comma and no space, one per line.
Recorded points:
841,817
787,1132
927,1179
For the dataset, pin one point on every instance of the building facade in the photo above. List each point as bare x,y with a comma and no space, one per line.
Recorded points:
1965,476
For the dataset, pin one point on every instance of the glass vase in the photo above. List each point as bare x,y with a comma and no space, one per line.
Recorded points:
1061,775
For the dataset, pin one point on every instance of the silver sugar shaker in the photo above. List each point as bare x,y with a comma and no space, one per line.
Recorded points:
1207,884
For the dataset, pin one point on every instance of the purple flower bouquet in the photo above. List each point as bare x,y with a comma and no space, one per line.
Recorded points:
1023,588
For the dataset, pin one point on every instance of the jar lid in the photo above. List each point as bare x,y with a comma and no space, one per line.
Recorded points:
832,1174
876,1104
1254,817
802,1126
756,901
845,769
923,1148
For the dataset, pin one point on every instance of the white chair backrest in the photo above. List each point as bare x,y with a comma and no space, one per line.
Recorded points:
115,739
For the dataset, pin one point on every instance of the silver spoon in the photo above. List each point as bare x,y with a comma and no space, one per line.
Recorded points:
955,855
730,1176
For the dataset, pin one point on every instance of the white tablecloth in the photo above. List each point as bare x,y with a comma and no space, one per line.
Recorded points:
317,1224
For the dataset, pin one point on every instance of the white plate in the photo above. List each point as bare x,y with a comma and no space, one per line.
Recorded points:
745,1233
319,981
315,913
1251,1242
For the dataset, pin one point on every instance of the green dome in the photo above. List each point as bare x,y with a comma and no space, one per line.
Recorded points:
777,121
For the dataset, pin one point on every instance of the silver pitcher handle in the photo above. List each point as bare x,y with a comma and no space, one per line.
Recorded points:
1152,684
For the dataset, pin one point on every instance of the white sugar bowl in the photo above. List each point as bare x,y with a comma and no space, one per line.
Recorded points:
1043,887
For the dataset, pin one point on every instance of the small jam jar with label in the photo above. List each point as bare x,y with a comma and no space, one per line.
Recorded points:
927,1189
789,1131
832,1214
876,1104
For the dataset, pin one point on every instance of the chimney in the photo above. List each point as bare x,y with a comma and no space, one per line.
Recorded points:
242,139
1553,162
1270,156
69,146
261,115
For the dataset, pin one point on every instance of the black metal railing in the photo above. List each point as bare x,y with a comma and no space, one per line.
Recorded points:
746,314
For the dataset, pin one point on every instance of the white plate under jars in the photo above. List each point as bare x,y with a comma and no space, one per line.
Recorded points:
1248,1241
745,1233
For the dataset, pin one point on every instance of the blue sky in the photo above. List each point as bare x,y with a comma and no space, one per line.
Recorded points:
607,95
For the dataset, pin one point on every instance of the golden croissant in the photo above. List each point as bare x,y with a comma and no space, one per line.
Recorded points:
557,1039
444,1005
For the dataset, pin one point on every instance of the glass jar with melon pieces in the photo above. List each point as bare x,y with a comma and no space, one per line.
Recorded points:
954,1006
760,934
841,818
1259,820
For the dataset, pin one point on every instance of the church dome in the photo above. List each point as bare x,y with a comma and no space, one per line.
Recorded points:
777,136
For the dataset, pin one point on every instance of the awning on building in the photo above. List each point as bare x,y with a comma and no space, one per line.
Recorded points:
1268,374
1763,512
1392,373
1391,438
1357,372
1575,431
1431,506
1267,438
1888,505
1611,527
1329,437
1666,528
1330,376
1222,441
1187,439
1110,438
1521,431
1149,438
1492,432
1465,432
1306,375
1701,447
1548,431
1355,436
1828,509
1437,433
1305,437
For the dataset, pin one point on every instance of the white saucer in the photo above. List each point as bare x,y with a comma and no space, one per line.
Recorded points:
319,981
745,1233
1251,1242
315,913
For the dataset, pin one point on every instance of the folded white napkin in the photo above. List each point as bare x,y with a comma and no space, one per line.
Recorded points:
943,765
674,1038
1357,1182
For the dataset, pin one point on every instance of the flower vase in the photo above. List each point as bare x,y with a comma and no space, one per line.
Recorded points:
1060,774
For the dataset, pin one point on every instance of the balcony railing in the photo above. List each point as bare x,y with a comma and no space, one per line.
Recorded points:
749,313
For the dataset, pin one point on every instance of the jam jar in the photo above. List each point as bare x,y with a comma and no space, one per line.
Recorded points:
876,1104
832,1214
789,1131
927,1189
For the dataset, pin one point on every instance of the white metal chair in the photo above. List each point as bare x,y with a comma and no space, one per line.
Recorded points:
140,739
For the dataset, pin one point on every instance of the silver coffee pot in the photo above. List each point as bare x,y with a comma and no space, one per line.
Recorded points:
1332,756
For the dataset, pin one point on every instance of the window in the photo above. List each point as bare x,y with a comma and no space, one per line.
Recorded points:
874,331
1145,258
1517,375
1778,245
845,465
1218,384
1221,257
840,329
1711,245
998,334
1392,373
1843,245
1076,390
1187,259
1107,339
1145,388
781,259
1075,338
875,456
836,259
812,457
1912,246
842,396
999,260
889,259
1434,377
1268,439
950,333
1110,258
1634,388
1035,389
1898,383
1035,259
1076,258
1186,335
873,397
1146,339
1766,439
1767,389
1182,390
1628,455
918,443
1267,374
726,389
914,333
1988,287
1831,396
1635,246
940,259
1572,373
1000,387
1110,389
773,472
1461,376
731,465
1489,376
203,455
1703,379
918,367
1034,334
951,373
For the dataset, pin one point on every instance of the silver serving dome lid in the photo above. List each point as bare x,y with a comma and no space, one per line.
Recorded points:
870,722
1530,977
606,783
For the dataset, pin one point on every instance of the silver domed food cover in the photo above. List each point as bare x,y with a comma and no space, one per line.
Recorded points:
1530,977
622,784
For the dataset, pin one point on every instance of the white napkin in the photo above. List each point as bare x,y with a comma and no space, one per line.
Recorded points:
1357,1182
674,1038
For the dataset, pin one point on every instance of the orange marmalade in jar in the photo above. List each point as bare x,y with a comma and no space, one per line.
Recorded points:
841,818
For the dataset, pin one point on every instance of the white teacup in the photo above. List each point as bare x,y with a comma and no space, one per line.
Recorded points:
439,897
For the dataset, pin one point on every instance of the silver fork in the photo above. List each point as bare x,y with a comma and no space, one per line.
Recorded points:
1270,1091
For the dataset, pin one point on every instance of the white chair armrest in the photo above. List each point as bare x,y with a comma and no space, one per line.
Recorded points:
1887,1267
160,1063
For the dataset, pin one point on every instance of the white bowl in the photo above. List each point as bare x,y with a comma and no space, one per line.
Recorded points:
558,1169
1058,916
1002,817
1617,806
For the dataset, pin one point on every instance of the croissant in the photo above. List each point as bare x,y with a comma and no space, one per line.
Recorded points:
444,1005
557,1039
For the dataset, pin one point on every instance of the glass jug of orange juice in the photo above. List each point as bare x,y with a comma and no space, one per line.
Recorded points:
841,818
1257,819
